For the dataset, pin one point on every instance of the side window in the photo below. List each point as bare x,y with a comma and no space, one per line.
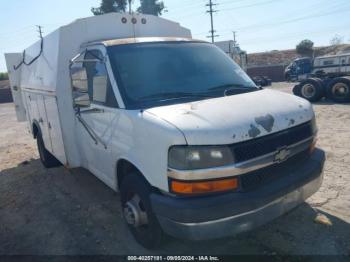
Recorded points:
328,62
99,87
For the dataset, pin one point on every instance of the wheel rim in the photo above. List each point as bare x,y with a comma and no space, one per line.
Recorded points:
308,90
134,212
340,90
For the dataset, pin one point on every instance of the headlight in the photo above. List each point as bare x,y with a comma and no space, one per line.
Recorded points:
198,157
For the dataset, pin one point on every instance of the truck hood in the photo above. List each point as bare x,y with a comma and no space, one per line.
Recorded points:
236,118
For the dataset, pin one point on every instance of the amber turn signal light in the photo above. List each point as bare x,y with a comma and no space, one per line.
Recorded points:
182,187
313,146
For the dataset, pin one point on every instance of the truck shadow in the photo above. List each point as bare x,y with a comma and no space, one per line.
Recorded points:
326,101
70,212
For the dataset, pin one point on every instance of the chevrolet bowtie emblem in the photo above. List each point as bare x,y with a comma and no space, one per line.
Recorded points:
282,155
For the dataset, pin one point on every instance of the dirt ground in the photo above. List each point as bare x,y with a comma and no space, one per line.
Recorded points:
70,212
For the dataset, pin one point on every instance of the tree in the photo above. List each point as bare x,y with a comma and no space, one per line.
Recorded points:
4,76
336,40
305,48
151,7
110,6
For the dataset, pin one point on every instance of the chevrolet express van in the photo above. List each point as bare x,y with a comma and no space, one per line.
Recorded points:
194,147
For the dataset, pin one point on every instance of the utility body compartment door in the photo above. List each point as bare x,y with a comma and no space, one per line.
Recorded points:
12,60
43,122
54,128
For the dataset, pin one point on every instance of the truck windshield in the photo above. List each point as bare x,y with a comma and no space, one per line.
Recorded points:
163,73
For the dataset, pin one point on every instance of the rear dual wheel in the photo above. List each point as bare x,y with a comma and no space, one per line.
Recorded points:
338,90
47,159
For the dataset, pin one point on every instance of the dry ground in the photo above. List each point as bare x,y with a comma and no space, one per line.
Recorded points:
58,211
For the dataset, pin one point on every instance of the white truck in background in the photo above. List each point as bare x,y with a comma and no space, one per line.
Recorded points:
195,148
235,52
323,76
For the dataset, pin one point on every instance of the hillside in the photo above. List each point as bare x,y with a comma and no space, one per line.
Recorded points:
284,57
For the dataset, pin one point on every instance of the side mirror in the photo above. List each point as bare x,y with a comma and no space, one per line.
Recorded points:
79,84
79,77
81,100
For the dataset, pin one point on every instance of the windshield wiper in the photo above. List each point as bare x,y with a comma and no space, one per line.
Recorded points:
175,95
234,89
227,86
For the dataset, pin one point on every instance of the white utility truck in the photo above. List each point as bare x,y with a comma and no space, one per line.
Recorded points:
196,150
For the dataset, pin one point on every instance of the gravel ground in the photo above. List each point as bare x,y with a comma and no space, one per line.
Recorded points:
70,212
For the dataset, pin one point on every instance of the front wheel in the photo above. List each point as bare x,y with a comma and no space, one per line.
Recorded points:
310,89
138,214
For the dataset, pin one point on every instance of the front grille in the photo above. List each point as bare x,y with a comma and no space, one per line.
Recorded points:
271,173
267,144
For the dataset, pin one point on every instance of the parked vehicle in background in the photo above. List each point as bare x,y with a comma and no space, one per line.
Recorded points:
298,68
262,81
323,76
233,50
194,147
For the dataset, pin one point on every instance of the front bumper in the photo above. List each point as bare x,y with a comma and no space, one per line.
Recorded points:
228,214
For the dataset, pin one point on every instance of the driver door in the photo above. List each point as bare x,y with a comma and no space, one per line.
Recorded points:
96,106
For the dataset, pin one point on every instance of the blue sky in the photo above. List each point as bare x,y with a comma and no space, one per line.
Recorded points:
261,25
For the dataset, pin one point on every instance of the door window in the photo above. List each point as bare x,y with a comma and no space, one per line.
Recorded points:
99,87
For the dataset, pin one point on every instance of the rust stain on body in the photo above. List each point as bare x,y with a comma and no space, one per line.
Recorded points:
266,122
253,131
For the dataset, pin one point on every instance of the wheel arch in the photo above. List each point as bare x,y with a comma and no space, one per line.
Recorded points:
125,167
36,129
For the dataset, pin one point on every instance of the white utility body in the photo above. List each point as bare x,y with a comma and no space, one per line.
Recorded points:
171,122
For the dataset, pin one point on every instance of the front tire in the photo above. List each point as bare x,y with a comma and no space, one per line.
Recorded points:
136,205
311,89
47,159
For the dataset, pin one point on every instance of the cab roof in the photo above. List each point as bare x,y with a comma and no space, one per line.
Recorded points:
124,41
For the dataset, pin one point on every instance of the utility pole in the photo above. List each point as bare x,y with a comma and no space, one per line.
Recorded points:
211,11
234,38
130,10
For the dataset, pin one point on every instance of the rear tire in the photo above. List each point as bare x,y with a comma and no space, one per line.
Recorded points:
338,90
311,89
47,159
136,205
